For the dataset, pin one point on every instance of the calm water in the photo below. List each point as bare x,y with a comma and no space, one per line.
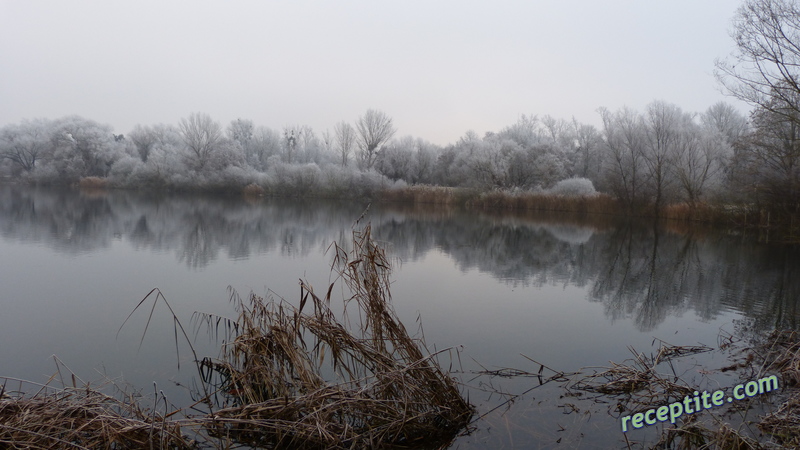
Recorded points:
567,293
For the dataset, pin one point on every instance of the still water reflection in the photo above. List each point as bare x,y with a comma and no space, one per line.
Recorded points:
569,293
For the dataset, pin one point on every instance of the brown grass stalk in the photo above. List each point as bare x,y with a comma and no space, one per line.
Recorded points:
93,183
81,418
253,190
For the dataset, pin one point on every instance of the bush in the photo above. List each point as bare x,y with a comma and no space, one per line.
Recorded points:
253,190
574,187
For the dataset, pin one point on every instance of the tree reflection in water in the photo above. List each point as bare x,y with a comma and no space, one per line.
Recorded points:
636,270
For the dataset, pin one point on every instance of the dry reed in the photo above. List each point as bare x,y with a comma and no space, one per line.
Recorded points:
638,378
698,212
82,418
693,435
93,183
253,190
301,378
636,386
531,201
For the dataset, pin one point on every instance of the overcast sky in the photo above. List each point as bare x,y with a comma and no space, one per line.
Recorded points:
438,68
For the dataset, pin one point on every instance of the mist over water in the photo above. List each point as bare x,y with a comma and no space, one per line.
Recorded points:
567,292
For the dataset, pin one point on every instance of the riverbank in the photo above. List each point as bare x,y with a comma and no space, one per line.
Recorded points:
763,223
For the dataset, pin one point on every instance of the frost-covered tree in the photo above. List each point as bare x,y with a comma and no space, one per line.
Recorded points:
310,148
26,143
732,127
726,120
374,129
409,159
80,148
345,140
143,138
396,160
702,153
664,125
202,137
586,158
526,131
624,141
266,142
291,139
241,131
773,149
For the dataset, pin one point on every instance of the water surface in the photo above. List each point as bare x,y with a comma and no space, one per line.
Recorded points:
567,292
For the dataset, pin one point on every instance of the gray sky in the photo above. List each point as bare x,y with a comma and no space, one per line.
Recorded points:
439,68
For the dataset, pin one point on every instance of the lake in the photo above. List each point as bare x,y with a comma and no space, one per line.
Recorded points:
502,289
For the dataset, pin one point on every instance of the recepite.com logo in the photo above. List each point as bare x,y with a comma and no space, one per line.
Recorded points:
700,402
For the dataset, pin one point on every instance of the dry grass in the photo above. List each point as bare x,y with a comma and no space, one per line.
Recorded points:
781,353
253,190
82,418
700,212
498,200
93,183
693,435
301,378
530,201
636,386
638,379
784,424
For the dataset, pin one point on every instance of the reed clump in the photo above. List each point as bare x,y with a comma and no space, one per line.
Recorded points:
83,418
638,379
694,435
301,377
535,201
253,190
93,183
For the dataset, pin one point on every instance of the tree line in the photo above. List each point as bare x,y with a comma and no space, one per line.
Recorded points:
659,155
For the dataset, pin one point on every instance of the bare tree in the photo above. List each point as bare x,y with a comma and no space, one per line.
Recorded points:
624,141
586,158
328,141
374,129
291,135
143,137
266,143
774,149
700,158
345,140
766,62
24,144
202,136
663,124
726,120
241,131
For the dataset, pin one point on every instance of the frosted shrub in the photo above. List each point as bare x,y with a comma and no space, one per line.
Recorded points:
44,174
574,187
294,179
123,170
